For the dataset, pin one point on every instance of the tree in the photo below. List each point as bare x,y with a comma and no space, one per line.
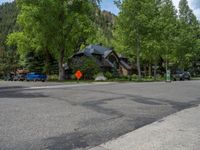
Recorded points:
168,25
8,14
8,55
152,42
56,26
187,35
134,27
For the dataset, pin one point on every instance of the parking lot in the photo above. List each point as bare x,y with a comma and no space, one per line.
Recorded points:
63,116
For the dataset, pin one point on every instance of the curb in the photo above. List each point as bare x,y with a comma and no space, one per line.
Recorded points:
180,131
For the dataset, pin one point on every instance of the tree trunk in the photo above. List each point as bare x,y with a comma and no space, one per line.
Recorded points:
145,70
150,70
61,62
155,72
47,61
62,42
138,58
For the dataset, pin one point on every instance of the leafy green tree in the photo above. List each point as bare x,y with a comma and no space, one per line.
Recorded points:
152,42
135,27
167,25
187,35
56,26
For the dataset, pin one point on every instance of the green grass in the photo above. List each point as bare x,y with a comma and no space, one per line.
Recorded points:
195,78
110,80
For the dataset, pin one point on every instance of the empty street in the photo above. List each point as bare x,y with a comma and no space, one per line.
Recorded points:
64,116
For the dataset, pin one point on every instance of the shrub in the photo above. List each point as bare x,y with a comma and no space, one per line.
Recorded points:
134,77
108,75
52,77
86,65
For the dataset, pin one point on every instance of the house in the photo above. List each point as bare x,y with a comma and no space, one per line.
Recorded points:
106,58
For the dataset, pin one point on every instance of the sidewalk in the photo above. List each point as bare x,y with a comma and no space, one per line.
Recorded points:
179,131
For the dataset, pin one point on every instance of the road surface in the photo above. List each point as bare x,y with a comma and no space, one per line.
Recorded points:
58,116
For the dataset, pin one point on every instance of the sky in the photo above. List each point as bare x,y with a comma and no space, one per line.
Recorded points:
109,5
194,5
3,1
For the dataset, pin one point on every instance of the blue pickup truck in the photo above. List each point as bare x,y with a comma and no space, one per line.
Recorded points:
33,76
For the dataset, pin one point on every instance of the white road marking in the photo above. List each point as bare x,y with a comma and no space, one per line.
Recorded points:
66,86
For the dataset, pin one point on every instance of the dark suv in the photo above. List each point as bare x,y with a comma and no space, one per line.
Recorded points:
181,75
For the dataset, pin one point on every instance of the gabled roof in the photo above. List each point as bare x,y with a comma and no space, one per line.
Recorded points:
97,49
93,50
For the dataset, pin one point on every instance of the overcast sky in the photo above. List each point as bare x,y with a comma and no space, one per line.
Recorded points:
108,5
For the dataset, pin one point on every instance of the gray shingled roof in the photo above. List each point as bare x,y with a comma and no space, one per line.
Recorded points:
97,49
104,52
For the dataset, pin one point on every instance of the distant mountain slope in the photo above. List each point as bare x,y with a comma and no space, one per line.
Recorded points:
8,17
106,21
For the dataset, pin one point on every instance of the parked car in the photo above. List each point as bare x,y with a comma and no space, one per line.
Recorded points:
33,76
181,75
19,77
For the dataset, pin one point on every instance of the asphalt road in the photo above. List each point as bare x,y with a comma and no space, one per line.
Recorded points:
48,116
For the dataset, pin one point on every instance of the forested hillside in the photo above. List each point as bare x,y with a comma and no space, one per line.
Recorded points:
8,56
8,17
106,21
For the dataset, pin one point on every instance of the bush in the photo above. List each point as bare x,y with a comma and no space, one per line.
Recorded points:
73,77
52,77
134,77
108,75
86,65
